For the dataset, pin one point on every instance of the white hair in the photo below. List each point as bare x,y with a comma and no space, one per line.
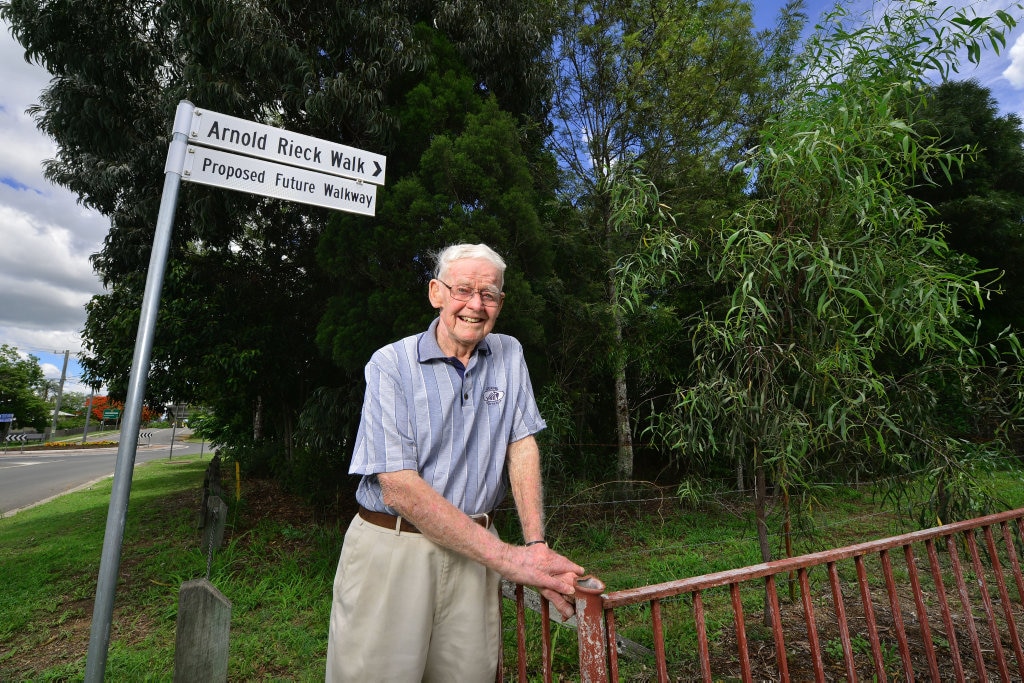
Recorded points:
457,252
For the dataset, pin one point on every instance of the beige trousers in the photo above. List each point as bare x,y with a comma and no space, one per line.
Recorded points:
406,610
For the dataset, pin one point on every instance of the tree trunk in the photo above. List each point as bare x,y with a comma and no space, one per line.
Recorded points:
787,530
625,466
760,508
942,496
760,512
289,446
624,469
257,420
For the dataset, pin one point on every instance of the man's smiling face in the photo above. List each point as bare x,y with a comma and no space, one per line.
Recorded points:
463,324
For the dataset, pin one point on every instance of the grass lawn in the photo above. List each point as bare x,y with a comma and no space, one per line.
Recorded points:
278,565
277,574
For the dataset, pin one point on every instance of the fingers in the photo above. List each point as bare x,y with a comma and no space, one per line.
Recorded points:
560,603
557,573
560,584
546,570
558,564
553,563
570,567
569,578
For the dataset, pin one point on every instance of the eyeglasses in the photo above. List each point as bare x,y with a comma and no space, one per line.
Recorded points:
488,297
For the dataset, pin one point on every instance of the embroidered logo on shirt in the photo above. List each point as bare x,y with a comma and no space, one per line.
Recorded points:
493,395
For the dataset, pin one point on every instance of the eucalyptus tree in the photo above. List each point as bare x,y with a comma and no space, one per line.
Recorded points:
844,311
674,88
245,289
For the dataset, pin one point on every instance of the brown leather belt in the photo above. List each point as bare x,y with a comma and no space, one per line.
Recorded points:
391,522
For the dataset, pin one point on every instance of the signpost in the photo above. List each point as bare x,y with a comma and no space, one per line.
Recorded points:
21,439
111,414
210,129
223,151
34,436
246,174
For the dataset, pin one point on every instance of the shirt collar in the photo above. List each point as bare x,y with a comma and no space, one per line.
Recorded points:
427,349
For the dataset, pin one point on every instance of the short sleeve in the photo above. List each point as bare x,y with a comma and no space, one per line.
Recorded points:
527,419
385,441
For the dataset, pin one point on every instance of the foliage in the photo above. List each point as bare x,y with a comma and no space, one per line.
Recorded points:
844,311
674,87
22,387
102,403
74,402
981,207
473,181
202,422
824,325
248,281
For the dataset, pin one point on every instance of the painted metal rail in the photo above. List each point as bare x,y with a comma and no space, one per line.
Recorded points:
933,604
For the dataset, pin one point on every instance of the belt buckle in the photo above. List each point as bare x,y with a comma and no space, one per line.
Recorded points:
484,516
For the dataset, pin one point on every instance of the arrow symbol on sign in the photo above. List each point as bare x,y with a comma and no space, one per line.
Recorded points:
379,169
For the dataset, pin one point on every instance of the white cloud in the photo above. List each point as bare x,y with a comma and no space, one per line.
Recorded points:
1014,73
46,237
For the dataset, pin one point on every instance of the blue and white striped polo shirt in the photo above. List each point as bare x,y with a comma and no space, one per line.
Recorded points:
420,414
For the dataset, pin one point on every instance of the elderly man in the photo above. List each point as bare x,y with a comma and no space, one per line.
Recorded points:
447,426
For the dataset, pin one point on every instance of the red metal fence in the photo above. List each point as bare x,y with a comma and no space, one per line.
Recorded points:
943,613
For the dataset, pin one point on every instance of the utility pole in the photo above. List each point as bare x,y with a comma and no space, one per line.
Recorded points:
60,393
174,426
88,414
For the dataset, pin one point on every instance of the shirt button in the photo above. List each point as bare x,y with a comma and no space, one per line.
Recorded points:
465,396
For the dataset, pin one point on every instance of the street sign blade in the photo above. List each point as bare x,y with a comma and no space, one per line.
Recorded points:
246,174
211,129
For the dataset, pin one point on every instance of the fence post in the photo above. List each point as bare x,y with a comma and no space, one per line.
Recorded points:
213,527
593,641
202,633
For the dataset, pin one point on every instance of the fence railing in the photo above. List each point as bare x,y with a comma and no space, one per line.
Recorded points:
932,604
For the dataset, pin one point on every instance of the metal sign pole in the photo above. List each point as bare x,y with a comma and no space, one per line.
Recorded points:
110,560
174,426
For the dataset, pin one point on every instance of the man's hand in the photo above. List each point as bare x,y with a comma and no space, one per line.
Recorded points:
440,521
541,567
565,606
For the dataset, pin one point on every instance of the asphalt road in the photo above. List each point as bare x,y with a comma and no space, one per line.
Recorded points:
34,477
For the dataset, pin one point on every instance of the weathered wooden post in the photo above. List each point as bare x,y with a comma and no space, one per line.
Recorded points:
211,487
213,527
204,613
201,638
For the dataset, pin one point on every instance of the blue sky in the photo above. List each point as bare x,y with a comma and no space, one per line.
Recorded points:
1003,74
46,237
